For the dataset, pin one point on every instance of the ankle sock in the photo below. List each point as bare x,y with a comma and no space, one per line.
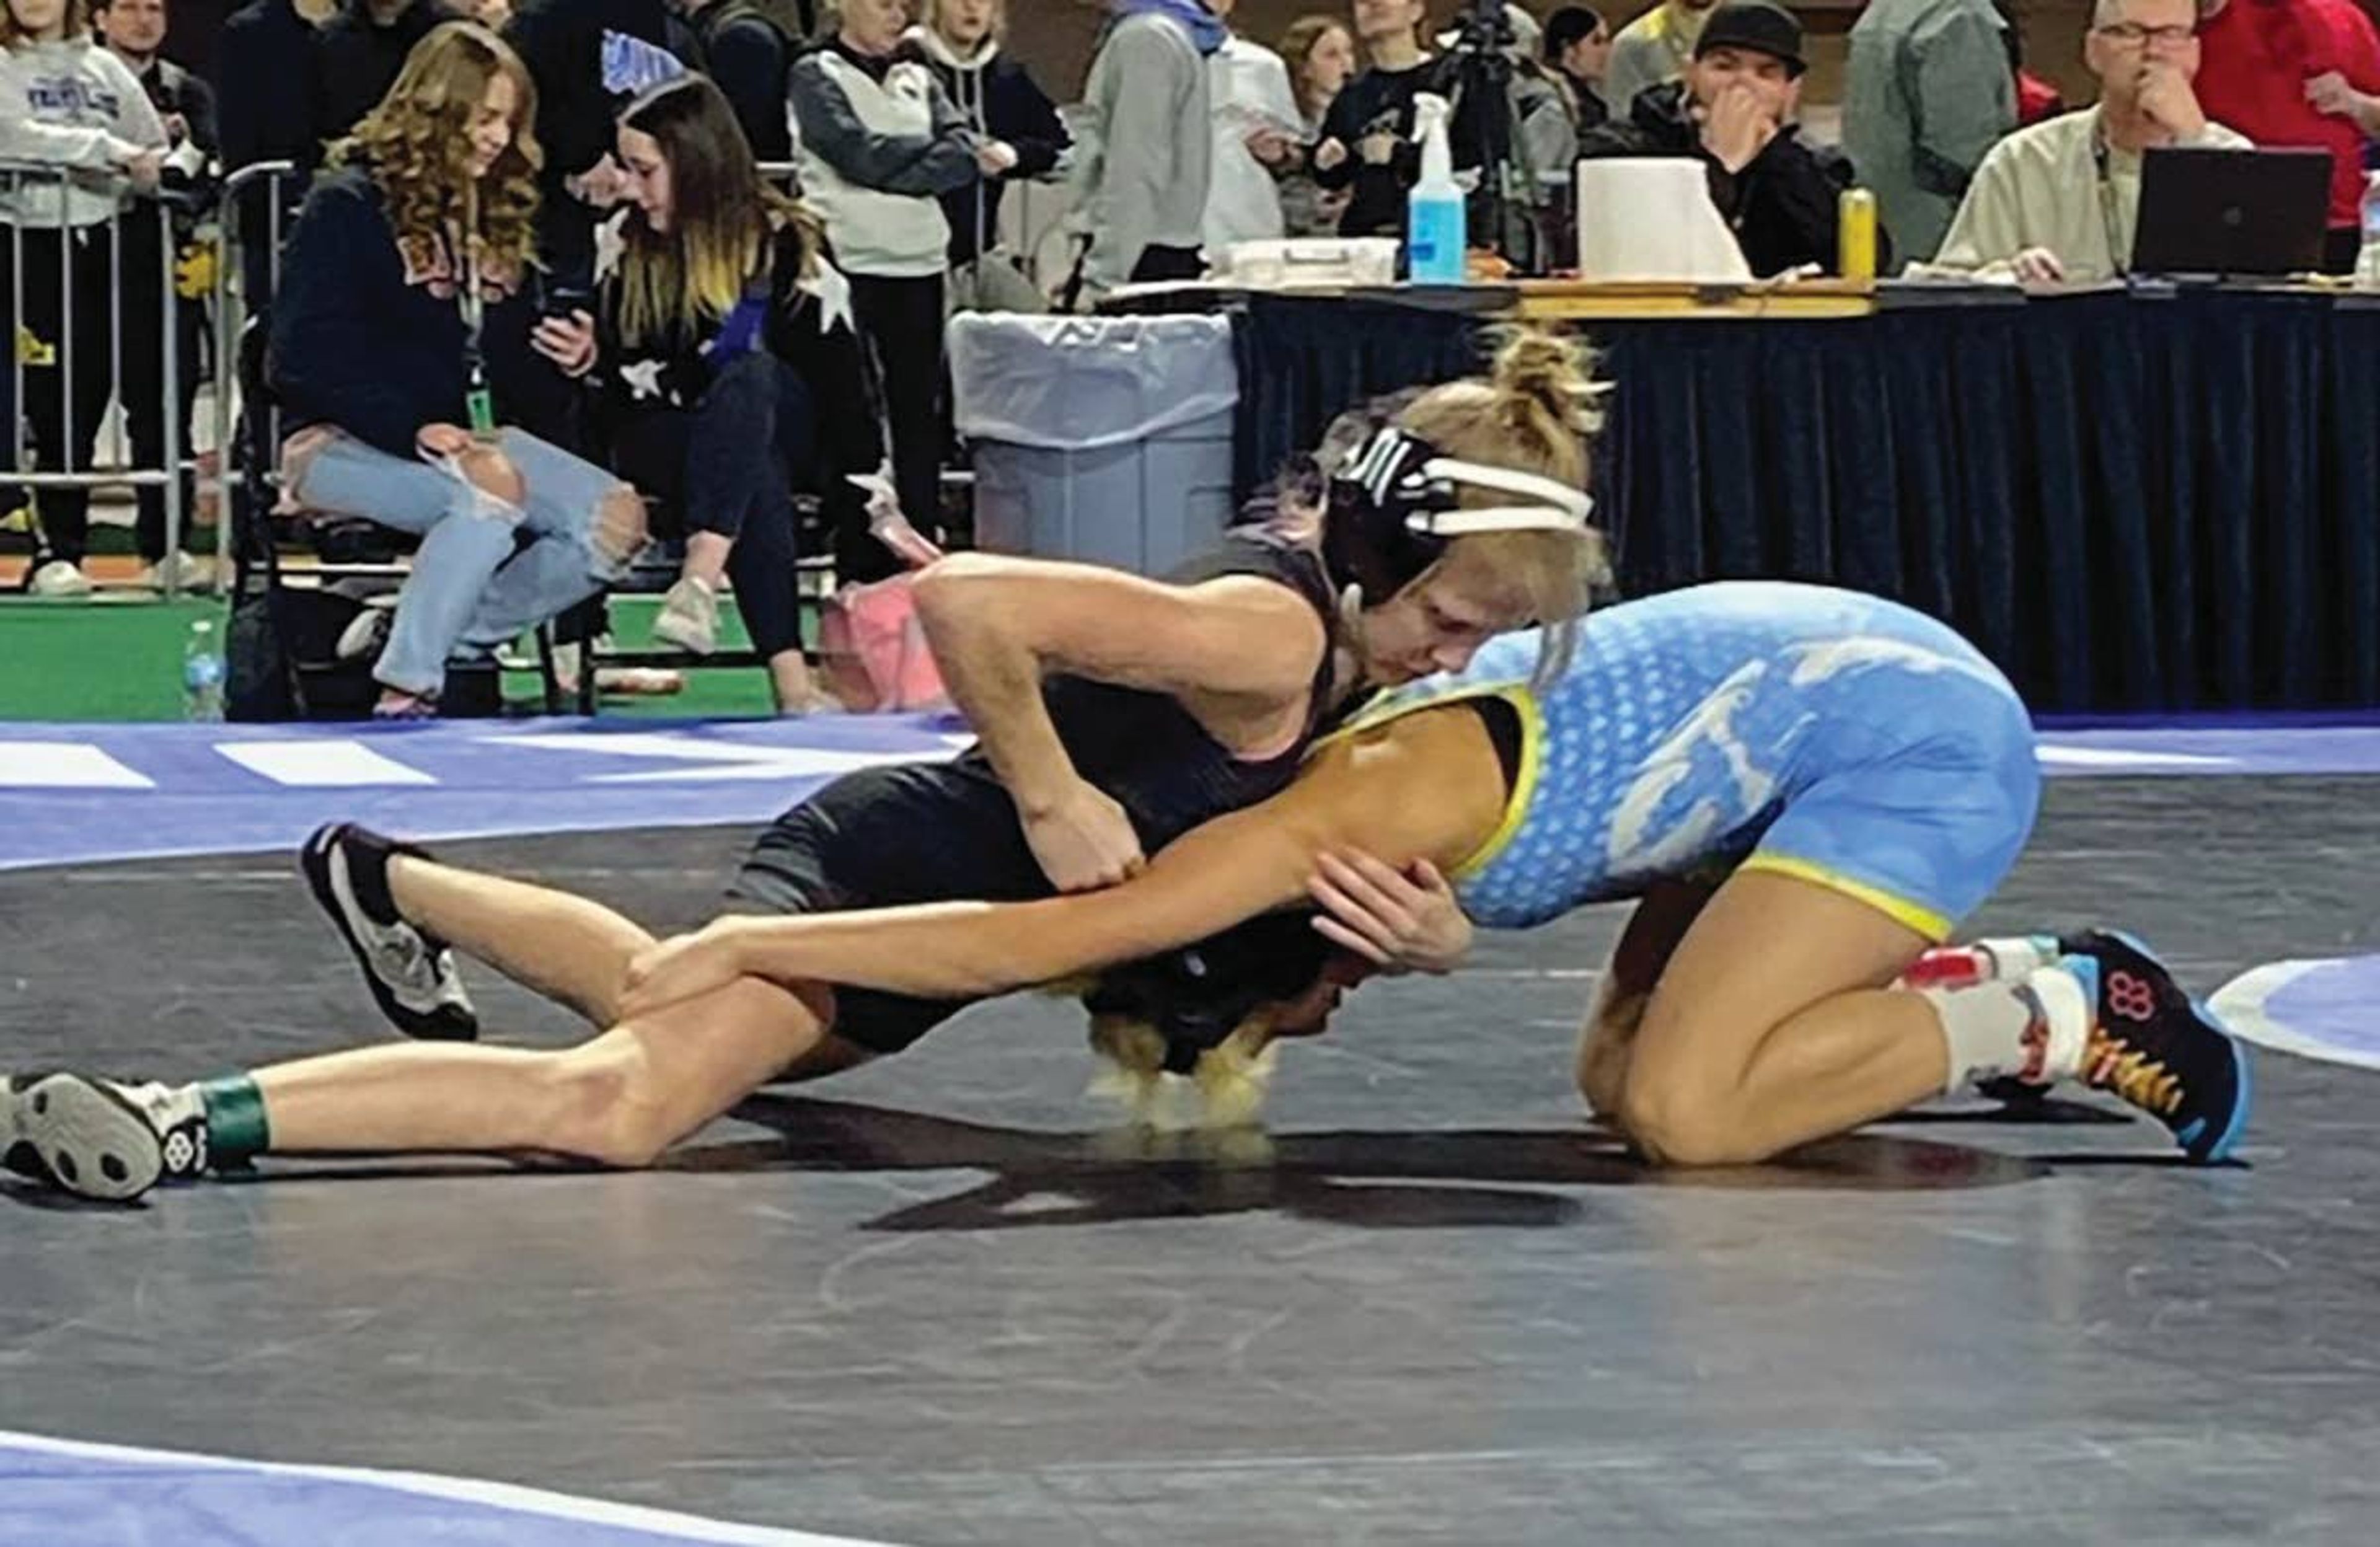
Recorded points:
2034,1028
1998,960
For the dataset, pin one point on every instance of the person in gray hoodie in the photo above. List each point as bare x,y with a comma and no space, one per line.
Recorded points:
67,102
1142,173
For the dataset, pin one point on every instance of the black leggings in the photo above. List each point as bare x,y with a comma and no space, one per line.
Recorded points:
705,463
903,319
87,252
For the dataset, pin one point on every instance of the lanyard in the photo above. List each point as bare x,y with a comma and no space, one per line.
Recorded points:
2117,258
471,302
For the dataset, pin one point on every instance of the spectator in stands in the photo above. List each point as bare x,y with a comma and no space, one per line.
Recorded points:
962,40
1147,160
2298,72
270,69
266,113
1733,112
1929,91
69,103
747,47
2057,203
396,349
134,31
2036,100
590,59
1545,112
361,54
1578,44
1255,133
1367,140
721,332
879,145
1653,50
1320,54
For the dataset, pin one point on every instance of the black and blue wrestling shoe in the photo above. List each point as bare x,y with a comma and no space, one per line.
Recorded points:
2158,1048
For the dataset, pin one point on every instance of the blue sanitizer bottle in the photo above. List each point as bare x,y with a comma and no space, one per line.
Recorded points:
1435,233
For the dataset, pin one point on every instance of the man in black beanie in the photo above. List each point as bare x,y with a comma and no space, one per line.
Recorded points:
1733,112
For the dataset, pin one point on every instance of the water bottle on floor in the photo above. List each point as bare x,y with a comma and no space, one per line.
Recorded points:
202,674
2367,256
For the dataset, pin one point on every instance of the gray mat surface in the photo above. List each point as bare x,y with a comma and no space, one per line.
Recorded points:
928,1304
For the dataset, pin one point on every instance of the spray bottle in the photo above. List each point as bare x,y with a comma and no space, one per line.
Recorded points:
1434,234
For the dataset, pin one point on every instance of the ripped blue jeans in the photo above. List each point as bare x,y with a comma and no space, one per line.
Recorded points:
475,586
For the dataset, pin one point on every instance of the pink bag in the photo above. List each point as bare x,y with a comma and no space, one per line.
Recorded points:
875,654
872,646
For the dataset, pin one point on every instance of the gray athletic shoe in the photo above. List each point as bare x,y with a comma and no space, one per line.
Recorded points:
100,1139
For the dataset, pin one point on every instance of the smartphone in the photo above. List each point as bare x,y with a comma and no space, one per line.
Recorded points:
562,300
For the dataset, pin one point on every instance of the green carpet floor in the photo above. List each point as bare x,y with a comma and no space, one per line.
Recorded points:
108,660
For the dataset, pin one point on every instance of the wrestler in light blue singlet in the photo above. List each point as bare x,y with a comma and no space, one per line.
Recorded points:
1821,734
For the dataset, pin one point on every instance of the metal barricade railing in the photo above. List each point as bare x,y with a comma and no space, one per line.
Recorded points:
235,200
47,206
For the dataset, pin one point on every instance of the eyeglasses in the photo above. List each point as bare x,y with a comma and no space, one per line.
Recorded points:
2132,34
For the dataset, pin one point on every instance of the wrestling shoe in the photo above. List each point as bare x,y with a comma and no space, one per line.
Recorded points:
411,973
2158,1048
100,1139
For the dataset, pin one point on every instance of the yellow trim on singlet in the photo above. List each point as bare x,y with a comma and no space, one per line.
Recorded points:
1901,910
1524,778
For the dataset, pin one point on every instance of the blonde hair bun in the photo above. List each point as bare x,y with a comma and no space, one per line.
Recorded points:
1538,372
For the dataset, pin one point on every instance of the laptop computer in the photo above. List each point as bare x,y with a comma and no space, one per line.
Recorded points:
2224,212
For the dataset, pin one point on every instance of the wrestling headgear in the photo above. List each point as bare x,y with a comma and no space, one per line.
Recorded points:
1396,501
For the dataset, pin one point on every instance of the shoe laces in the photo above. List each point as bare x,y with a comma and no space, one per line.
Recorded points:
2116,1064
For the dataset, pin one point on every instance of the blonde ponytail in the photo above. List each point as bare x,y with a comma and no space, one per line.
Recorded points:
1546,392
1535,412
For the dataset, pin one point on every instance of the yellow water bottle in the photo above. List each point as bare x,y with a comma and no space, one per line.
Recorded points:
1855,238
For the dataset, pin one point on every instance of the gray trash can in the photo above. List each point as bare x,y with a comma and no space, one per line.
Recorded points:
1103,439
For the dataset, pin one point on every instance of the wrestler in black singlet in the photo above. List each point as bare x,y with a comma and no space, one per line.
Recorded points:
949,831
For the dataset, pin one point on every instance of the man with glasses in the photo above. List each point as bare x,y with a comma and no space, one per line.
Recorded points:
2057,203
2299,73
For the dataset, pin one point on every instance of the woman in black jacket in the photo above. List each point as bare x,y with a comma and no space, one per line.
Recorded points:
729,369
961,41
1367,147
400,343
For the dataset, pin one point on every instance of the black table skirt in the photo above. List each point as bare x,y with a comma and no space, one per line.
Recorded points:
2132,504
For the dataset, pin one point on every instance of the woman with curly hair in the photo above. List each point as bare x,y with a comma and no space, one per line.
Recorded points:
400,345
720,331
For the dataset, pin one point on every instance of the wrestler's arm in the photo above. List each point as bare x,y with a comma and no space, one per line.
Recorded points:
999,625
1428,785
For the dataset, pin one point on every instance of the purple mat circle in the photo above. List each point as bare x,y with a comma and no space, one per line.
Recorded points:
2332,1003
